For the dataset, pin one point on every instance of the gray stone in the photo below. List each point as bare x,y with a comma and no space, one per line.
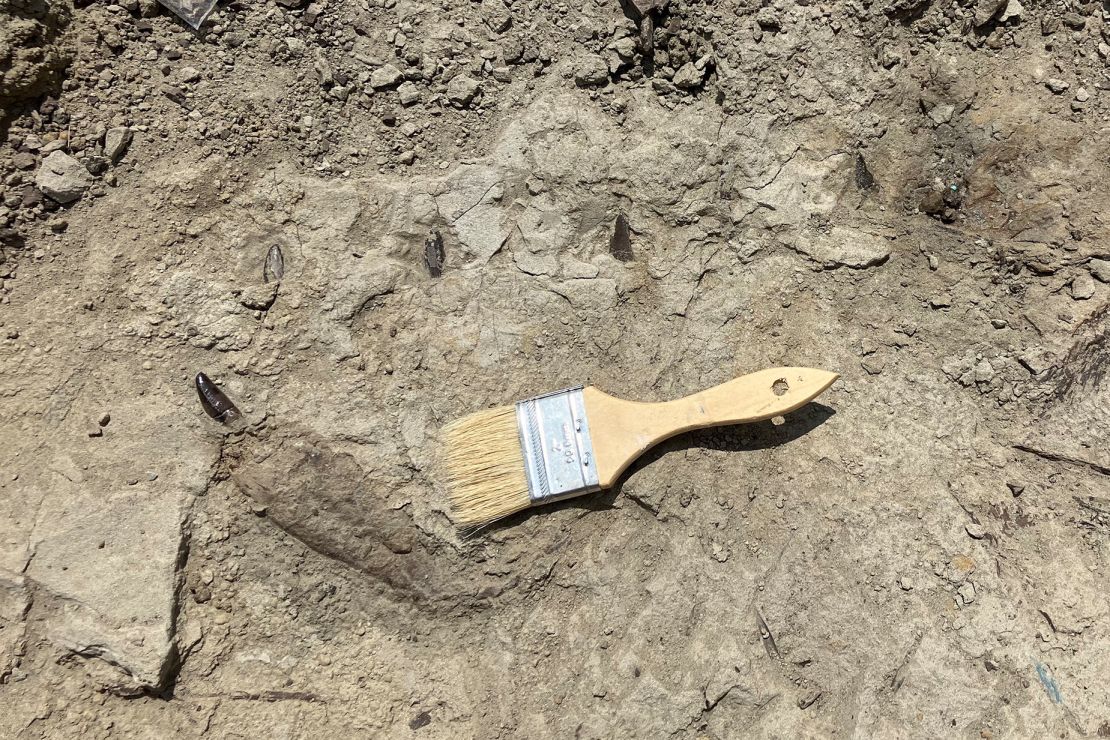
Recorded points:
496,16
1056,85
1082,287
591,70
174,93
385,76
462,90
944,300
688,76
259,297
984,373
409,93
1012,11
985,10
116,142
939,112
469,202
62,178
103,562
845,247
1100,269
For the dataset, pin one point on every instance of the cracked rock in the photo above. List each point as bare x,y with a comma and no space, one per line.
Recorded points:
688,76
591,70
62,178
385,77
1082,287
116,142
845,247
462,90
1100,269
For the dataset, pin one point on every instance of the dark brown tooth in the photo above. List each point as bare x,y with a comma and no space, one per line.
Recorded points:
215,403
434,254
864,179
274,267
620,246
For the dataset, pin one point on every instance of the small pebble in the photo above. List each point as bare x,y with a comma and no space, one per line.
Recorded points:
943,300
1056,85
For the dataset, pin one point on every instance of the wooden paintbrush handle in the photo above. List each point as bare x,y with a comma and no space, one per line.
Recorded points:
623,430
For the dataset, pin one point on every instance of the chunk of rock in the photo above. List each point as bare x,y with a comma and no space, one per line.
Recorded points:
116,142
1082,287
688,76
462,90
409,93
985,10
944,300
1056,85
469,201
259,297
174,93
844,247
62,178
938,112
591,70
385,76
1012,11
1100,269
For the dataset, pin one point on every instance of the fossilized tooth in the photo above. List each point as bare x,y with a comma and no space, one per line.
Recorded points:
864,179
620,246
274,267
215,403
434,254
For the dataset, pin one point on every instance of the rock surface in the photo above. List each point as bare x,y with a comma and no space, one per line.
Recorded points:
922,552
32,52
62,178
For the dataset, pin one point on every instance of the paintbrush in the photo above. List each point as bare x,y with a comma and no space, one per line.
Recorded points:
580,440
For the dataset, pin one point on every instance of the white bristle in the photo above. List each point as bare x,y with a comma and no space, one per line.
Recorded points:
485,467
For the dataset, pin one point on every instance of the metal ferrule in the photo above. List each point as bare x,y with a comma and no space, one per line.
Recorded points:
558,453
